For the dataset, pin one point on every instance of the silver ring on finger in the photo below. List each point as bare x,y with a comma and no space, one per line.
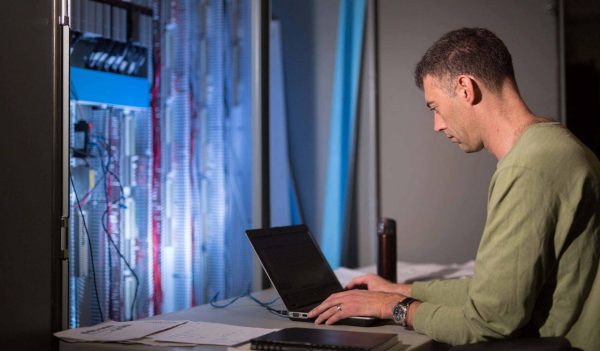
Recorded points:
338,308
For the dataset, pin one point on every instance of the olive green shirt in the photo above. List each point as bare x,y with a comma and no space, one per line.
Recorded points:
536,270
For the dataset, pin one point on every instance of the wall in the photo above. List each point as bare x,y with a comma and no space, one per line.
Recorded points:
436,193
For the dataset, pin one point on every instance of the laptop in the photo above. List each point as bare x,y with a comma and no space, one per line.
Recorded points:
298,270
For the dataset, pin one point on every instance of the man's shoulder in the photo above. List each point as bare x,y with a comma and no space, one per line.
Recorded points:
550,145
555,155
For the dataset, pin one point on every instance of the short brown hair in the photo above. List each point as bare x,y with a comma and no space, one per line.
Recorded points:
474,51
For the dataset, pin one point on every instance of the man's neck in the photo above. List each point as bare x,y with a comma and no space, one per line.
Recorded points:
506,119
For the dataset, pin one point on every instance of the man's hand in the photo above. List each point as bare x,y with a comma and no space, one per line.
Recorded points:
353,303
377,283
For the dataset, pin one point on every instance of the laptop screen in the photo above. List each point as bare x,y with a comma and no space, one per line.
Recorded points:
295,265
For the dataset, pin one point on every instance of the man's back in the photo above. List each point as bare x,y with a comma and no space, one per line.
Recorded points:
536,271
569,298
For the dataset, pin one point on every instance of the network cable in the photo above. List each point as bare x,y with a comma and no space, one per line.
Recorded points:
106,172
266,305
89,247
104,220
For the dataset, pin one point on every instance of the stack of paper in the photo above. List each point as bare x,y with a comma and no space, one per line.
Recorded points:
164,333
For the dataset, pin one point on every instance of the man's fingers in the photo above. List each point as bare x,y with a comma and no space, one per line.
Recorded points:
327,315
355,281
349,303
324,306
362,280
336,317
316,311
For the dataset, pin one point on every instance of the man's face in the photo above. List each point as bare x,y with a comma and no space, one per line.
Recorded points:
451,115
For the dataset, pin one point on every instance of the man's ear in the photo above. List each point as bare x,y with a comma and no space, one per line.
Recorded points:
468,89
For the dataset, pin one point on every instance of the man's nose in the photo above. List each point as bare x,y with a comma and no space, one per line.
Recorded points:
438,123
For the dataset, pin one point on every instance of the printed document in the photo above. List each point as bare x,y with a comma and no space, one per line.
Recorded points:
204,333
112,331
164,333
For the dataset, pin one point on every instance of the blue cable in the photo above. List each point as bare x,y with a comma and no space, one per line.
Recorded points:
265,304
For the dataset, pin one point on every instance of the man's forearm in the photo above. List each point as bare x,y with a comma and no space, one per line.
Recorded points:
451,292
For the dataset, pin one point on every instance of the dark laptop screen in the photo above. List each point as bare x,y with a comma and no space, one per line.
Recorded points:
295,264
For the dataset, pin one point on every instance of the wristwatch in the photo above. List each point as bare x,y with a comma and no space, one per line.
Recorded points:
400,311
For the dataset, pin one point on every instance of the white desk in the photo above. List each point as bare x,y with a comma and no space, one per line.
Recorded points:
245,312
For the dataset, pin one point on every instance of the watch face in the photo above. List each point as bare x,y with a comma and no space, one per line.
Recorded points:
397,314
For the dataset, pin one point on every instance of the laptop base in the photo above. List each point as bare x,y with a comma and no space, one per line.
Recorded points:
354,321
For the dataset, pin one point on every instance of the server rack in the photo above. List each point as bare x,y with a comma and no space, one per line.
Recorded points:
160,165
110,161
44,137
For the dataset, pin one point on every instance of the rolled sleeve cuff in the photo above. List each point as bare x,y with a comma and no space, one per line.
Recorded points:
422,316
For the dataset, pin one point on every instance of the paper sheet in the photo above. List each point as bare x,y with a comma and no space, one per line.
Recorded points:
411,272
112,331
204,333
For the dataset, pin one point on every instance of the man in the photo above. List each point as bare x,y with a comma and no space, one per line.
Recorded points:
536,269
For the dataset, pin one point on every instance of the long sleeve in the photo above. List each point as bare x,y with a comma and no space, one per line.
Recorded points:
451,292
514,257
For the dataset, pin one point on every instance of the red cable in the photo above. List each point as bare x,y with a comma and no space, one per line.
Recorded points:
111,306
193,135
157,294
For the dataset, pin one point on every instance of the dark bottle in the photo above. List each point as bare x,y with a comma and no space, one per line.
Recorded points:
386,258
